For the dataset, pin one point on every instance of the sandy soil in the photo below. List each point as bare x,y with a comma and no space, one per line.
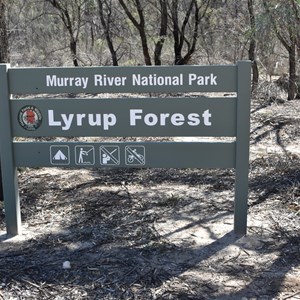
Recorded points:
162,234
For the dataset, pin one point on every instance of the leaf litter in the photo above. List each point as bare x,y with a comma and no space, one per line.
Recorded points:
162,233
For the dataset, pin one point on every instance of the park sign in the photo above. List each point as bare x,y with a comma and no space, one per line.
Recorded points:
131,116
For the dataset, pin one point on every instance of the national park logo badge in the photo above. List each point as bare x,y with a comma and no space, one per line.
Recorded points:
30,117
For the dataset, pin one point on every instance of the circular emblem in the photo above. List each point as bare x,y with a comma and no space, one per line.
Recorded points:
30,117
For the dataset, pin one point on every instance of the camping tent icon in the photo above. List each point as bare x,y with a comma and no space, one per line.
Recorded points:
60,156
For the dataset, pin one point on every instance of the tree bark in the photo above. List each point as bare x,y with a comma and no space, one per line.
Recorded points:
73,48
179,32
140,26
176,32
106,26
4,58
252,47
292,73
162,33
290,44
4,50
67,20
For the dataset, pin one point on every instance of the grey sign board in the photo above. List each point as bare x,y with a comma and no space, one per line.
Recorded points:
166,79
126,155
144,117
125,117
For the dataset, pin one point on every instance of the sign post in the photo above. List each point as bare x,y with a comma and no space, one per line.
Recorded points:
142,117
8,168
242,149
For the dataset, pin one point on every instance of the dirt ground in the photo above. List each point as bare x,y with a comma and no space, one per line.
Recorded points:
162,233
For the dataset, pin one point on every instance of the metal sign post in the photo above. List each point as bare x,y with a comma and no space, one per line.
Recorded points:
242,148
8,168
143,117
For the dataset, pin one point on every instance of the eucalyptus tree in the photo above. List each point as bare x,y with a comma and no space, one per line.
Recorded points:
285,20
71,13
186,17
162,35
253,45
135,11
106,19
176,19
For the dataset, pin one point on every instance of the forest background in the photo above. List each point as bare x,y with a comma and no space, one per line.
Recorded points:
157,234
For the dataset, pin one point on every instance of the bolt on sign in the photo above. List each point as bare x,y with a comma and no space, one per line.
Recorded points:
141,117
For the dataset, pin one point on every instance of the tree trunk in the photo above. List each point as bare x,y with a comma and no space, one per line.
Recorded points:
162,33
106,26
4,52
192,46
73,48
193,15
145,45
67,21
290,44
252,47
4,58
140,26
113,53
292,73
176,33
